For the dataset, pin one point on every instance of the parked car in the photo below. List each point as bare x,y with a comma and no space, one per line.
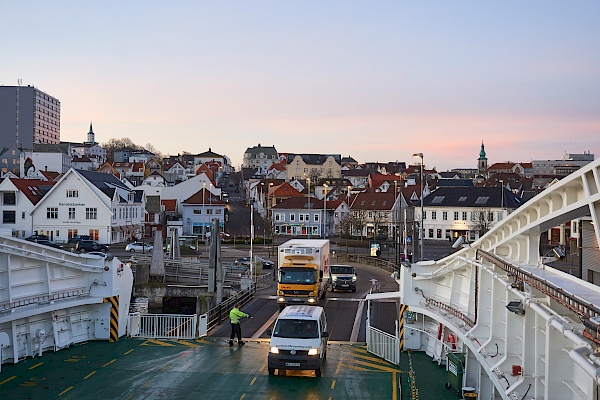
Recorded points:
35,237
140,247
78,238
267,264
49,243
245,261
90,245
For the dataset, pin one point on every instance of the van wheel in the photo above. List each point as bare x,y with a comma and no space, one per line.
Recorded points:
354,290
271,371
318,372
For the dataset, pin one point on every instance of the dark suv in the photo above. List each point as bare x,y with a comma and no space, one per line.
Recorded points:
77,238
90,245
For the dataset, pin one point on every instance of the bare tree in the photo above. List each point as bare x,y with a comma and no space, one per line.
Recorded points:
482,220
345,227
360,220
116,144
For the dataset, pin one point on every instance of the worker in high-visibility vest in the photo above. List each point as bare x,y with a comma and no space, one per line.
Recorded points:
234,317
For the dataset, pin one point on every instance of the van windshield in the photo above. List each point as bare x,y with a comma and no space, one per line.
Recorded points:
297,275
336,269
296,328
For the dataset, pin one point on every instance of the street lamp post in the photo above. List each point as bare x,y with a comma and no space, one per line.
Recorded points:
324,210
308,195
203,211
422,230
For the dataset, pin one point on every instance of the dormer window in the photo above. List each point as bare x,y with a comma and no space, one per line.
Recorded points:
72,193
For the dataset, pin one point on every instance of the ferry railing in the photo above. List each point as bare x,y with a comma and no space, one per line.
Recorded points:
383,344
362,259
220,313
43,299
162,326
588,312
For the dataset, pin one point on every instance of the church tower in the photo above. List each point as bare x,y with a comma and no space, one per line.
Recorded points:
482,164
90,136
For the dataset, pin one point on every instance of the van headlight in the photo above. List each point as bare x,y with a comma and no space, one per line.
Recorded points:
313,352
353,279
334,278
311,301
274,350
281,300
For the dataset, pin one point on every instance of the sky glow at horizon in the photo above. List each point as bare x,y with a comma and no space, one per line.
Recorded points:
377,81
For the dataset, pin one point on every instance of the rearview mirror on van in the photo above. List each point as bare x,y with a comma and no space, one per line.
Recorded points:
269,332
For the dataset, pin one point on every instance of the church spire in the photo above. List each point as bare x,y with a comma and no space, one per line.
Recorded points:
482,164
90,135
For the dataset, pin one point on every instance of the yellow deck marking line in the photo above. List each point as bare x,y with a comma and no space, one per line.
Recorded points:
377,367
394,386
157,342
66,390
110,362
355,368
28,384
359,350
164,367
9,379
145,385
129,351
243,396
35,366
374,359
90,374
128,398
186,343
332,384
337,369
253,380
262,368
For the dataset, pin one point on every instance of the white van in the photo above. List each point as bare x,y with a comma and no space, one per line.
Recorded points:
299,339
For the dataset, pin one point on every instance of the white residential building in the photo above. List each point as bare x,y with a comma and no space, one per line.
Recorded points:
90,203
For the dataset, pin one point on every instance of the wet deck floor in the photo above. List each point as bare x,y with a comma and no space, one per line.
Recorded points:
210,369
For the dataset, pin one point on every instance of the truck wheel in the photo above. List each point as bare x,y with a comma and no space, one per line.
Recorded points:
271,371
354,290
281,307
318,372
332,289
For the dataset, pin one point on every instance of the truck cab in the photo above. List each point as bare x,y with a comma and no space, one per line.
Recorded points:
299,340
342,277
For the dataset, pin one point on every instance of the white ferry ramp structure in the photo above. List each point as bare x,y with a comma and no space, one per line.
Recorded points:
508,325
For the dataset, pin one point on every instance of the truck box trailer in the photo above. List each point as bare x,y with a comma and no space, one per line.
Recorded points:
303,271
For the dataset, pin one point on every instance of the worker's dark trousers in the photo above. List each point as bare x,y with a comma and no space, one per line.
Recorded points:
236,329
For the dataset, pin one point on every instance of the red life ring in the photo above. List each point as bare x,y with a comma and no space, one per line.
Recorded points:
452,340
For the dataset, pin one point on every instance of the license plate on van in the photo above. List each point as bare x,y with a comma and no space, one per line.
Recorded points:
291,364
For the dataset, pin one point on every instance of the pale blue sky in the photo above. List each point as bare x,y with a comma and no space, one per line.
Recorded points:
376,80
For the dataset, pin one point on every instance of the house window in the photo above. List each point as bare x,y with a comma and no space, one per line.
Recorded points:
433,214
197,212
424,215
293,217
439,233
455,215
52,212
8,217
91,213
22,214
464,215
500,218
71,212
10,199
430,233
316,218
218,211
72,193
445,215
301,217
209,211
278,217
491,216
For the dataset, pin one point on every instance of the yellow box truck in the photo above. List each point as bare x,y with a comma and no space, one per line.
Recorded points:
303,271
